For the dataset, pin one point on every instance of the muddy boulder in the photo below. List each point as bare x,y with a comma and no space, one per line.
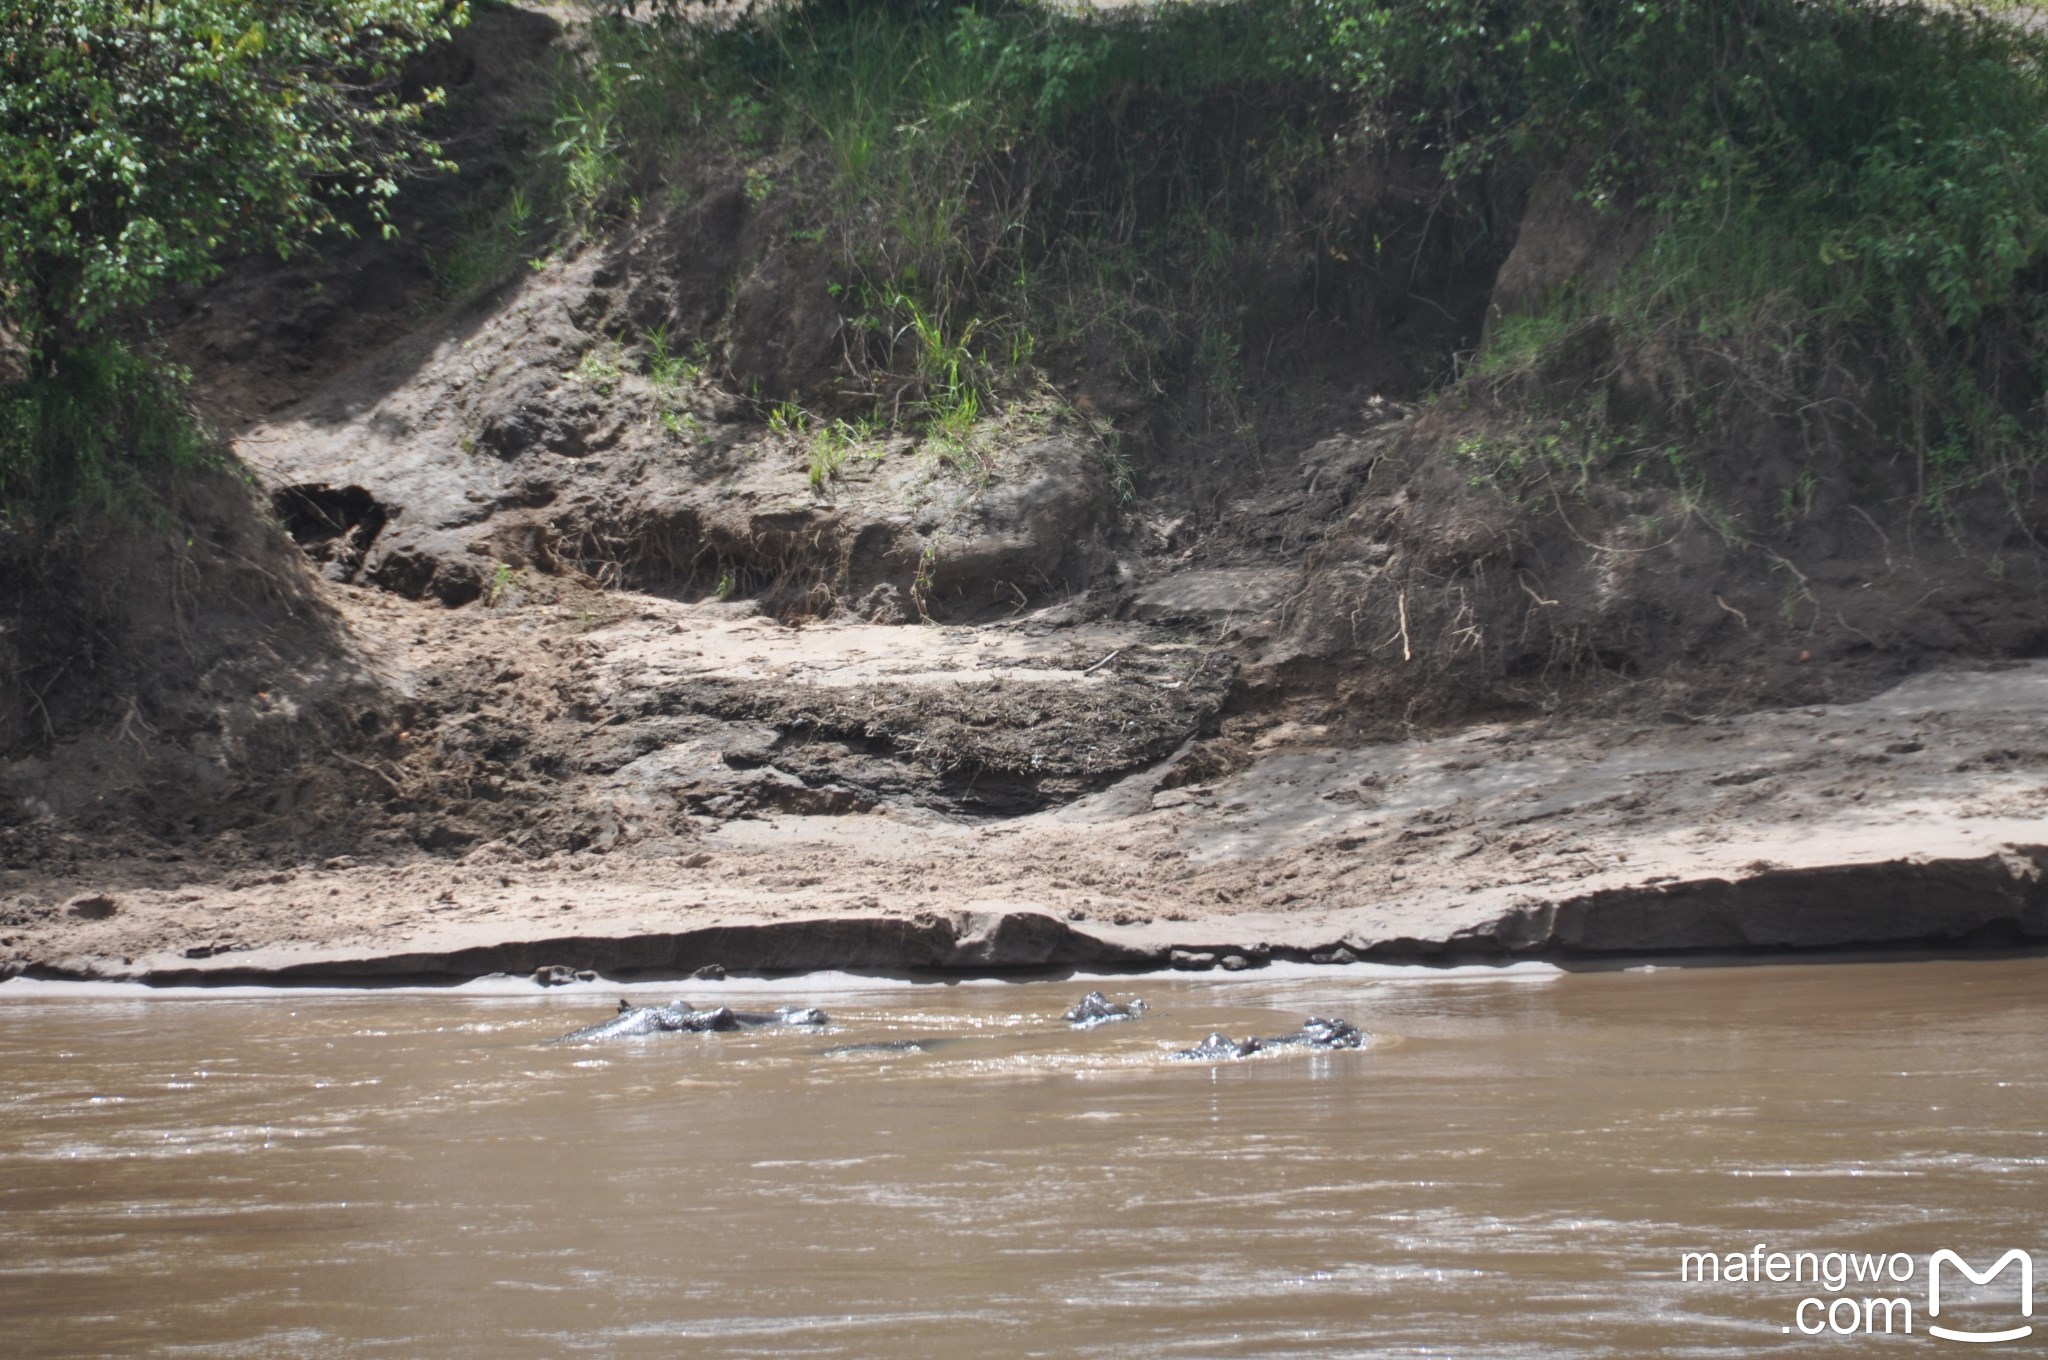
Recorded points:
1035,530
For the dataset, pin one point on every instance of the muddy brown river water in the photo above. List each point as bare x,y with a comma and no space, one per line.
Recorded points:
1515,1167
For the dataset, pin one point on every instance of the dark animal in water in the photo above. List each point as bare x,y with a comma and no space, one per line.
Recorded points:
1096,1009
682,1017
1216,1046
1316,1033
1319,1033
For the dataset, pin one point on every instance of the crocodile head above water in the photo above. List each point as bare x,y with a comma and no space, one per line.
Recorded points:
682,1017
886,1047
1096,1009
1315,1033
1318,1033
1218,1045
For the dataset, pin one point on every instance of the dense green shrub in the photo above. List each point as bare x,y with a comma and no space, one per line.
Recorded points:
140,146
140,143
1839,185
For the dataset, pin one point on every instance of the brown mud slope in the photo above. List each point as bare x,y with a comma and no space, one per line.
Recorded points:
527,658
1911,819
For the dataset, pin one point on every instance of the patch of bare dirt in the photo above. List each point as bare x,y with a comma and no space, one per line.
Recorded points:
1905,819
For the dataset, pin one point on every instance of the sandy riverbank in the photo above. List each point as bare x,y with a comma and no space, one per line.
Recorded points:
1913,818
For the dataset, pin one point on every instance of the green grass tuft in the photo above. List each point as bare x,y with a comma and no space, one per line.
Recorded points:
92,436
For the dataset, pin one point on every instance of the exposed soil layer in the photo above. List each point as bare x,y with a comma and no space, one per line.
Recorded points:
1912,819
522,654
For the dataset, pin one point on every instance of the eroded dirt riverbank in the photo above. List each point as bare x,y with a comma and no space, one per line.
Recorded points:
550,626
1911,818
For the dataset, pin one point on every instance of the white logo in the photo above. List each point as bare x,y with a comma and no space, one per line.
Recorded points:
2026,1264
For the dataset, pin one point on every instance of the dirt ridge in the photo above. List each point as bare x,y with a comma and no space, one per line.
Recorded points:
1991,901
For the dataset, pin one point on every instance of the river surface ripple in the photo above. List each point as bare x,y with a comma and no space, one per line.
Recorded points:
1513,1167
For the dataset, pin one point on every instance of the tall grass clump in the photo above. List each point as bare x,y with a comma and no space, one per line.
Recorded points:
1004,184
92,436
1838,197
1833,186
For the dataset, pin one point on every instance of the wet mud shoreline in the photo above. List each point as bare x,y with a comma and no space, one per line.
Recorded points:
1908,821
1949,906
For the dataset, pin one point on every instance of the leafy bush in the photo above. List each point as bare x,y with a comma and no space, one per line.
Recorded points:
139,143
139,146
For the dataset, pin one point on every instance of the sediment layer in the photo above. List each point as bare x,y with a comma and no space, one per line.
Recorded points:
1912,819
1996,900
